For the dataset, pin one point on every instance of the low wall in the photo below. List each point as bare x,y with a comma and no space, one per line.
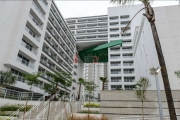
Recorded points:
15,102
115,104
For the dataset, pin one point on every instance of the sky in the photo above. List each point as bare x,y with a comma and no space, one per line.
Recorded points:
82,8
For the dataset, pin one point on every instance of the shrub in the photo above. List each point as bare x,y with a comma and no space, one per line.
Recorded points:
12,108
92,105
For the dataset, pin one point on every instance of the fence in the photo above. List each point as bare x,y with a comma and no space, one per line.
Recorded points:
18,95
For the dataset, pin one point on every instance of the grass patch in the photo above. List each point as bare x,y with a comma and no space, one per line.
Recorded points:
13,108
86,118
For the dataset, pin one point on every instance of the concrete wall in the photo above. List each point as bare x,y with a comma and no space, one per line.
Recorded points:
116,104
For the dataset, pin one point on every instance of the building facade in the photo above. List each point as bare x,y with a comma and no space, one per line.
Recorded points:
132,60
35,38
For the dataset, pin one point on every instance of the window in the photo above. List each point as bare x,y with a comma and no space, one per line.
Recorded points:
112,36
116,87
128,71
114,29
113,18
129,87
115,49
127,48
115,79
115,63
128,63
18,74
115,56
129,79
115,71
127,55
114,24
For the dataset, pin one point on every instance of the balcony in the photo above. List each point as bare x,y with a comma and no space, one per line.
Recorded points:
39,11
115,72
128,64
25,63
32,34
127,49
28,47
35,21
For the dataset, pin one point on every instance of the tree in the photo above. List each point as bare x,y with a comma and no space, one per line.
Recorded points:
177,73
59,78
7,78
81,81
32,79
103,80
150,15
90,88
141,87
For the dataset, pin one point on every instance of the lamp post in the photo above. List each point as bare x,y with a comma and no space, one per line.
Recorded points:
158,93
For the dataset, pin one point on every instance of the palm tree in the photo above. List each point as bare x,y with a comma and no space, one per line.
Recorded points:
90,88
81,81
7,78
150,15
32,79
177,73
103,80
141,87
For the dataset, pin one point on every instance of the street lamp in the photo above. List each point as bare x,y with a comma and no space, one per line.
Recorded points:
158,93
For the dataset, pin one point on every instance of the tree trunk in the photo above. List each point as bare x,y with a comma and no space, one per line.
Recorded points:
88,107
79,91
103,86
167,87
26,105
142,109
48,108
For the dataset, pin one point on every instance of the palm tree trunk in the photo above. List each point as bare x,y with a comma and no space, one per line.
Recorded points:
88,107
103,86
164,73
79,91
142,109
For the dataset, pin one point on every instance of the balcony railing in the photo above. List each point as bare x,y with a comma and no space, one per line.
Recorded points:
115,64
128,72
128,64
28,47
115,72
114,57
127,56
25,62
126,49
32,33
35,21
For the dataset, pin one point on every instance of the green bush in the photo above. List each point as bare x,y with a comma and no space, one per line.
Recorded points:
92,105
91,112
12,108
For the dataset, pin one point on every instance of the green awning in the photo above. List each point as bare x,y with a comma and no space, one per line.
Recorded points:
98,53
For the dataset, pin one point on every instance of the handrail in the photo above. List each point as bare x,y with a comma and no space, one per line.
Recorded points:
46,106
42,112
16,112
58,103
62,112
33,108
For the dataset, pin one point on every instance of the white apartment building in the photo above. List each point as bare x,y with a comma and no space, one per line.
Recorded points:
127,63
168,28
35,38
89,30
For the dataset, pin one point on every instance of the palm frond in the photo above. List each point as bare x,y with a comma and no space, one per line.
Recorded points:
122,2
177,73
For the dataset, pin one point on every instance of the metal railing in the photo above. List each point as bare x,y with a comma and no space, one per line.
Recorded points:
39,11
18,95
61,113
25,62
39,101
32,33
46,106
35,21
28,47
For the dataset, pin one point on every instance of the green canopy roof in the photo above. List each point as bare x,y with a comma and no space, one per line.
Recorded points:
98,53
